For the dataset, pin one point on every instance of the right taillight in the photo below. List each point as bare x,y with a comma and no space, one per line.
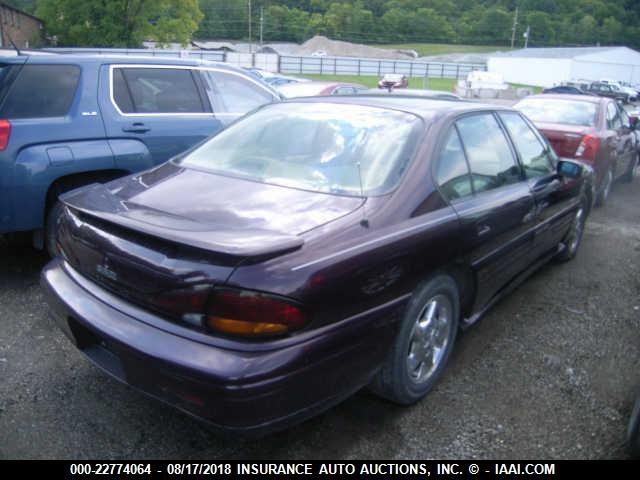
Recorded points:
230,311
588,148
246,313
5,133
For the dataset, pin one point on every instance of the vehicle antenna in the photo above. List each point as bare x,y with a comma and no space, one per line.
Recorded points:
364,222
14,45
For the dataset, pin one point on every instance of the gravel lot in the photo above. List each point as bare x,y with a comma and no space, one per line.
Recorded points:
550,373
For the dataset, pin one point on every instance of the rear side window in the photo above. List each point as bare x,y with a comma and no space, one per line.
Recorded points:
232,93
157,90
41,91
490,158
613,118
452,172
533,153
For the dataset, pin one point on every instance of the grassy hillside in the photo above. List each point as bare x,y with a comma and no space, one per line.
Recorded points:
372,81
425,49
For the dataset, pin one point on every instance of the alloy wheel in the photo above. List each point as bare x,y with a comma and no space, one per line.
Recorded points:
429,339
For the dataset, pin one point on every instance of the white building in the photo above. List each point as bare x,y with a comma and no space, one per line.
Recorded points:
545,67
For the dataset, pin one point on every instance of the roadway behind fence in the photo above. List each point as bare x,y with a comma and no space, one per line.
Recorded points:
302,65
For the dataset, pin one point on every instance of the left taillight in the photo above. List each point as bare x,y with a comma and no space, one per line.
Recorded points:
5,133
588,148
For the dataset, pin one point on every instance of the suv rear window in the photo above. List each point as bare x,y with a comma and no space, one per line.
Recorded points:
41,91
157,90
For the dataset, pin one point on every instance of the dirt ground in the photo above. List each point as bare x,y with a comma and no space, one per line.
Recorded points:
549,373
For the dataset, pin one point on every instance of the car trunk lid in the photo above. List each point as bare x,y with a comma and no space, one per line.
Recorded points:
143,239
565,139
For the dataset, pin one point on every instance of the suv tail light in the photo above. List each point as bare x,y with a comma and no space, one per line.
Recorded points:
588,148
5,133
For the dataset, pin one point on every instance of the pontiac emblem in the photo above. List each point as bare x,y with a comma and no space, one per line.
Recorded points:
104,270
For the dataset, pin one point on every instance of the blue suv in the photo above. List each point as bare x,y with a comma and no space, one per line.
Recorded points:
71,120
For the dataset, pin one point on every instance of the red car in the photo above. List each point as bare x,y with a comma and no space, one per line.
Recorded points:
594,130
393,80
315,89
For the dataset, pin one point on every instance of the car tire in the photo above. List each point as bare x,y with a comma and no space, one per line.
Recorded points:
51,228
423,344
573,238
605,188
628,175
633,432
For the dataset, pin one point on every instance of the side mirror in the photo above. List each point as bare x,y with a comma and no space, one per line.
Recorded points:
569,169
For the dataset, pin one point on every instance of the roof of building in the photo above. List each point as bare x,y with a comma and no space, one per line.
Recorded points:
21,12
561,52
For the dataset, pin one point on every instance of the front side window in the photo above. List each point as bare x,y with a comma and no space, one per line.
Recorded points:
41,91
157,90
490,158
452,172
533,153
314,146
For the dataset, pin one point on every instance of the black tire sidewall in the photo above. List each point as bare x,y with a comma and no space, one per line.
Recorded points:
569,254
405,390
633,432
51,228
603,194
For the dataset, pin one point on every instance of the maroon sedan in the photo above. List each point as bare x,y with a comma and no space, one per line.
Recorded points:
313,89
314,247
594,130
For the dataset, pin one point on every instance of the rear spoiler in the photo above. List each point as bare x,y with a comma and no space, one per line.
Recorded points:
97,201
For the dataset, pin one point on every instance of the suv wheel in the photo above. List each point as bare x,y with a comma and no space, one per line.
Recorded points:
423,344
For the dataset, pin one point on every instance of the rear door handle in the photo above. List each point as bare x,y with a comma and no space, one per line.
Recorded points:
136,127
483,230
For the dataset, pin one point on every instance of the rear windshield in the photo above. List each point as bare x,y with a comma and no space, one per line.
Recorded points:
559,111
41,91
347,150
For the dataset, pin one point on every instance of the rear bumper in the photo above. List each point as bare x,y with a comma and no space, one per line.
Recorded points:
252,388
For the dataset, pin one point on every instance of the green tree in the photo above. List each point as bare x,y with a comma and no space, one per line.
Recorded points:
494,27
427,25
224,19
28,6
611,31
587,30
348,21
542,31
119,23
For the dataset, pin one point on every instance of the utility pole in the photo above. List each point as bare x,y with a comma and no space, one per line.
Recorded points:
261,22
513,29
250,49
526,36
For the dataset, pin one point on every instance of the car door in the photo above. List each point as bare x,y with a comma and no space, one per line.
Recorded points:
626,143
496,210
163,107
553,203
617,140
